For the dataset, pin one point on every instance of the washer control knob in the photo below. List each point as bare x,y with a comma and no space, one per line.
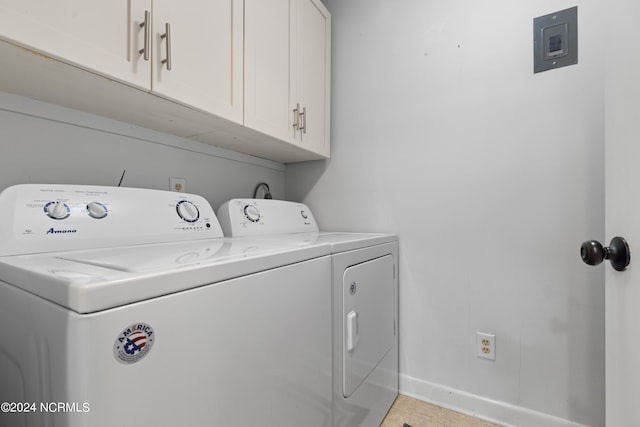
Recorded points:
188,211
252,213
97,210
57,210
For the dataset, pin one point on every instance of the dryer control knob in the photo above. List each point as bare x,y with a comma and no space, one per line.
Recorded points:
188,211
252,213
97,210
57,210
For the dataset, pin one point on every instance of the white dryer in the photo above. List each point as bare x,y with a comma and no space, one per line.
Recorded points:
364,301
123,306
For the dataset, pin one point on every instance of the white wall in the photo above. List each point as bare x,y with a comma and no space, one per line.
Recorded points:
492,176
44,143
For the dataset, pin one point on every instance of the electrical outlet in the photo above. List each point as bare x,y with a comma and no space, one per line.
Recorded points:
177,184
486,345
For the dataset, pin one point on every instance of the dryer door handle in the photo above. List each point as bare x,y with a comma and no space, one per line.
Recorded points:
352,330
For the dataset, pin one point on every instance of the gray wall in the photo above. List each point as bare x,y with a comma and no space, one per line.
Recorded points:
492,176
44,143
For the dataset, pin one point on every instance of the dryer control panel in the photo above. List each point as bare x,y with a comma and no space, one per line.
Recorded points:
255,217
48,218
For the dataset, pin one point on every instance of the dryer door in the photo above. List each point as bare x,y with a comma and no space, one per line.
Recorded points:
367,319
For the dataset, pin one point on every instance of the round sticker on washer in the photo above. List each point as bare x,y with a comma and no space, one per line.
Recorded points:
133,343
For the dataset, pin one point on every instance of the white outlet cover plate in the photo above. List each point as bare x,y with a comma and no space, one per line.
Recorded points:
177,184
491,346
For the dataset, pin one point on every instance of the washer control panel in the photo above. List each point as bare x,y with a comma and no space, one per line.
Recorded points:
255,217
46,218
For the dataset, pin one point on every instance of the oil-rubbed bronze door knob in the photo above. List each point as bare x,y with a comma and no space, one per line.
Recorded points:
593,253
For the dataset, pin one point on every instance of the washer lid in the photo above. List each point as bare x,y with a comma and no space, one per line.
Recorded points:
94,280
342,242
337,241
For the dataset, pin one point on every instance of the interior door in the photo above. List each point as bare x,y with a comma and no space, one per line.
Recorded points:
623,212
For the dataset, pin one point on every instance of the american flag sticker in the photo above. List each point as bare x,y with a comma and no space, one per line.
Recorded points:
133,343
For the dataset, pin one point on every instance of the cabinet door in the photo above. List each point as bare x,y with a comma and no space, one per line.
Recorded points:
311,62
267,105
101,36
205,45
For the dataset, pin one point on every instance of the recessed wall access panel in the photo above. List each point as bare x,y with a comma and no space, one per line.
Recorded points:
555,40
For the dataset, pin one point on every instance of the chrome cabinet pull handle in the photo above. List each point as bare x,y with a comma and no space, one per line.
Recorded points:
296,117
303,128
167,37
147,33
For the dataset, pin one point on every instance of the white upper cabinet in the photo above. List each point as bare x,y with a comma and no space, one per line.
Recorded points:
111,38
287,71
97,35
204,53
310,74
266,68
248,75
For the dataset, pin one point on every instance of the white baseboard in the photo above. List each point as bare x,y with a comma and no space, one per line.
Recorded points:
494,411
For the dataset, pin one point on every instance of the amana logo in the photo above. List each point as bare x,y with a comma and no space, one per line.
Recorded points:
54,231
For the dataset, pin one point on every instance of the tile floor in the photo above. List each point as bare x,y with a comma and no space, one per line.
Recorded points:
416,413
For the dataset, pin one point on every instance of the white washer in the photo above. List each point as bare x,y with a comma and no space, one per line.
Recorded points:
123,306
364,301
